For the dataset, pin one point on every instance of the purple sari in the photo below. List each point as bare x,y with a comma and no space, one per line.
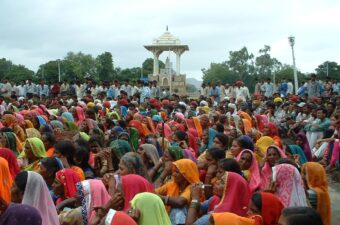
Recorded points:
19,214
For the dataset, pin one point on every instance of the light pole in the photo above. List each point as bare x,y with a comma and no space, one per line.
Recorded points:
59,70
296,84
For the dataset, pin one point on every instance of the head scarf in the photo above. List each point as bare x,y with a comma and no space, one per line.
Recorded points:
80,115
188,169
198,126
37,195
138,125
132,185
92,193
151,208
266,172
37,146
32,132
176,153
236,195
290,185
68,178
306,148
5,181
114,217
262,144
167,130
57,124
233,219
68,116
10,120
157,118
40,120
13,142
296,150
255,177
120,147
18,214
135,164
260,122
151,152
316,178
271,208
12,161
211,136
247,125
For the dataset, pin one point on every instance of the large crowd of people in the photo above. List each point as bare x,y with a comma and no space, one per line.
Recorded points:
113,153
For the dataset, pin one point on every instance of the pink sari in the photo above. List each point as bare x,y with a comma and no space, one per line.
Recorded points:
80,115
266,172
236,195
255,179
167,130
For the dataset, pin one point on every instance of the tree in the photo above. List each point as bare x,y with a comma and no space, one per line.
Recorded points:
49,71
218,72
287,72
148,66
81,65
191,88
105,66
333,70
130,74
265,64
13,72
241,63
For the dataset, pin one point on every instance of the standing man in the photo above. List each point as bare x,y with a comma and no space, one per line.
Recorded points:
290,87
30,89
313,87
268,88
42,89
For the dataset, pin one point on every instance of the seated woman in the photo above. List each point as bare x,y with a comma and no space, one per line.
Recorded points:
32,155
132,163
261,147
150,157
315,179
64,186
287,185
273,155
148,209
49,140
65,150
7,154
239,144
17,214
9,140
272,131
6,181
267,205
30,188
295,153
250,169
81,159
114,217
180,138
232,192
176,193
10,121
90,194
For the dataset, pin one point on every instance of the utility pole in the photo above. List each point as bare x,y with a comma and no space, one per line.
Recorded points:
59,69
296,83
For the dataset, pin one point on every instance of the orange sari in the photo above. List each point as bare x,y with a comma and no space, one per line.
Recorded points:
6,181
233,219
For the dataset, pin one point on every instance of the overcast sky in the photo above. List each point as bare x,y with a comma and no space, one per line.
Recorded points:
33,32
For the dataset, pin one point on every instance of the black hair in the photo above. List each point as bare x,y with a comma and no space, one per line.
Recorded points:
302,216
67,149
91,113
323,109
223,139
50,137
257,200
82,154
51,164
96,138
220,128
216,153
122,124
181,135
21,180
230,165
243,143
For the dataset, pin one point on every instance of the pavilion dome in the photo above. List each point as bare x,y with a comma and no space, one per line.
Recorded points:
166,39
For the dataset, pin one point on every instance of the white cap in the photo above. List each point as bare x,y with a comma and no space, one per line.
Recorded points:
301,104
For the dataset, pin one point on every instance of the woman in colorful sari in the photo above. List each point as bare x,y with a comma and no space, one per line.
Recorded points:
139,126
301,140
132,163
267,205
233,219
90,193
9,140
273,154
114,217
30,188
272,131
64,184
150,157
295,153
7,154
32,132
6,181
244,125
78,115
239,144
250,169
262,145
18,214
67,116
208,139
289,185
40,121
150,208
176,193
33,153
316,183
10,121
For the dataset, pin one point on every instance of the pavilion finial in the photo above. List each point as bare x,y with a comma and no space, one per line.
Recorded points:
167,28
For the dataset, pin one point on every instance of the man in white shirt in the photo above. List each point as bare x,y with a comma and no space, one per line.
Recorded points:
21,89
290,87
30,89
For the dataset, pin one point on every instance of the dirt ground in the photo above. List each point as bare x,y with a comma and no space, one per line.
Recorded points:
334,190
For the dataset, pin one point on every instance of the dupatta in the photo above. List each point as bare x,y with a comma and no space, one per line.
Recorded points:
7,154
114,217
271,208
6,181
68,178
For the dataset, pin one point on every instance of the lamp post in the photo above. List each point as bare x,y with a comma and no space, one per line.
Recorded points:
296,84
59,70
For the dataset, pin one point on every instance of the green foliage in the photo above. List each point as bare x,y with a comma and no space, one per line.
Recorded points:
333,70
191,88
287,72
218,72
14,72
265,64
130,74
105,66
148,66
241,63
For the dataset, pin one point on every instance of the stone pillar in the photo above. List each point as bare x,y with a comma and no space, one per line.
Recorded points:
155,64
178,63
